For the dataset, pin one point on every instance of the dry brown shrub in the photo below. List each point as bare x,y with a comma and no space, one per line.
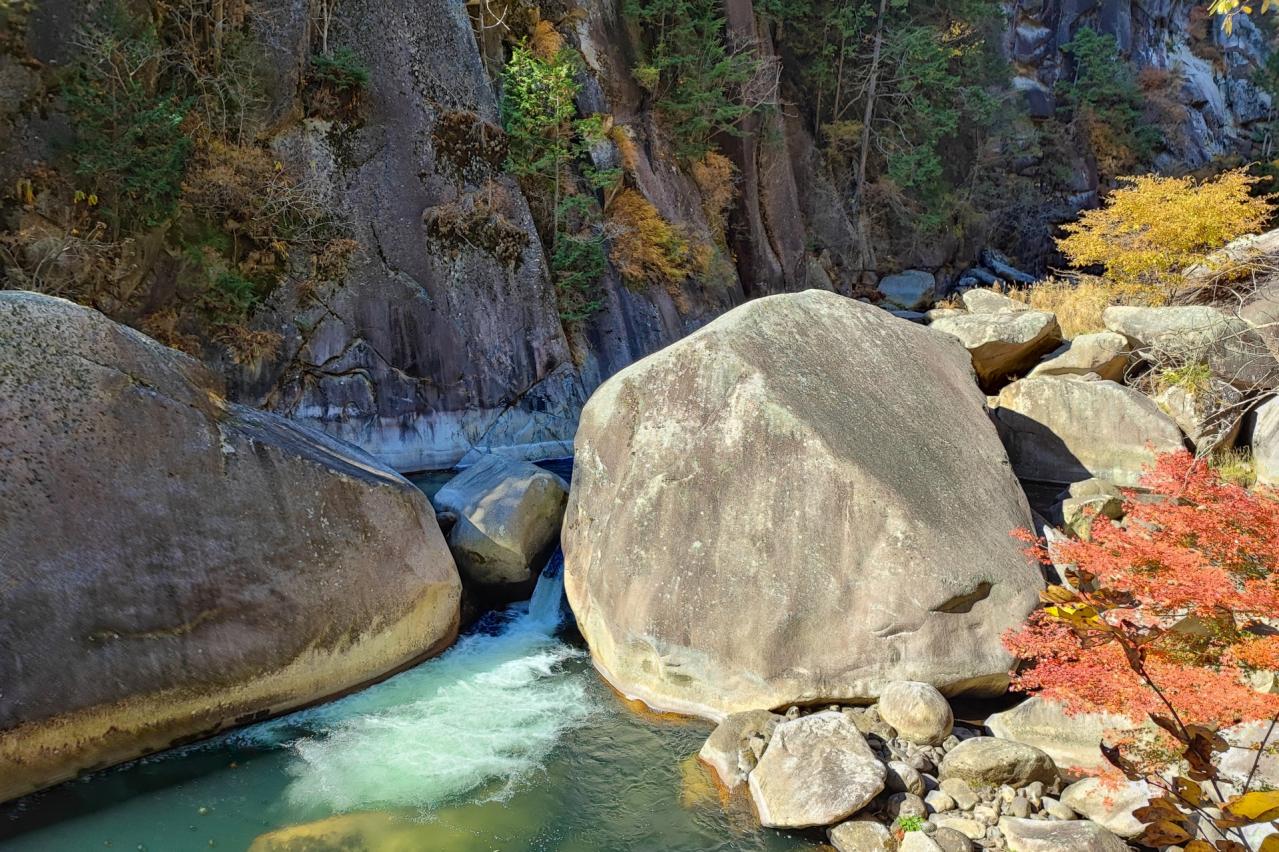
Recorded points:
646,249
716,178
1079,302
544,41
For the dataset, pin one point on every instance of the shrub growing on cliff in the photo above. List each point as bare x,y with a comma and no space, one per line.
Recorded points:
128,147
703,83
1104,96
1163,620
1153,227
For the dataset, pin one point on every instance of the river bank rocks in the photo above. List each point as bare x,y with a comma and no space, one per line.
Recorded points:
174,564
705,585
506,517
847,768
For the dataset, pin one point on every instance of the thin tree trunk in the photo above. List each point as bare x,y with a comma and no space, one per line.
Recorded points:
868,115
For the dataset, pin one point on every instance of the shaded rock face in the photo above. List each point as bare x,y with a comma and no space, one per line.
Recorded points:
1065,429
175,564
817,770
1265,443
508,519
1219,102
705,583
429,349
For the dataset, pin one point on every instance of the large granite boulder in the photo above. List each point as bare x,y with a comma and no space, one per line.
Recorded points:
508,516
1187,334
1073,741
910,290
804,500
817,770
980,300
1064,429
1105,353
1003,344
175,564
1265,443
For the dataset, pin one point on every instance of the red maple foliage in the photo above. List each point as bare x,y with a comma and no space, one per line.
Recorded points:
1164,615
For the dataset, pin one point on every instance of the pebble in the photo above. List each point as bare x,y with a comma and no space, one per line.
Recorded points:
1056,809
963,795
939,801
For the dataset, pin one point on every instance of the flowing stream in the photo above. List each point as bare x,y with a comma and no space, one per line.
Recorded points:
508,741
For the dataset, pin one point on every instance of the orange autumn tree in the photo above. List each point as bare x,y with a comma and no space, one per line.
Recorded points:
1163,618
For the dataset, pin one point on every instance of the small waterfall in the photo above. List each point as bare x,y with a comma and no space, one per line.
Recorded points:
545,608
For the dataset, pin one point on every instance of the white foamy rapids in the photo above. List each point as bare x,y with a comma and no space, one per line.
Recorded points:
488,711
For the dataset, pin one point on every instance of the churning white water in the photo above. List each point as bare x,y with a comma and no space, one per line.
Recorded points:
483,715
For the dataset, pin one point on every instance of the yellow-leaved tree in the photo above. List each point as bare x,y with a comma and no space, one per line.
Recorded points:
1152,228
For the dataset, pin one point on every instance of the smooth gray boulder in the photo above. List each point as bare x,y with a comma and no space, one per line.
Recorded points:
917,711
817,770
981,300
862,835
1110,804
911,290
1004,344
1078,835
1180,335
727,751
1265,443
1064,429
990,761
1209,416
1104,353
508,519
918,841
1073,741
173,563
707,580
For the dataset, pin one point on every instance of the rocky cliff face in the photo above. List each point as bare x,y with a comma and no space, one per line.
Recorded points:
440,341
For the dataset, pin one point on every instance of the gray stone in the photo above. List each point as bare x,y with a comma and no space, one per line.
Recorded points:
508,519
1104,353
1189,334
1056,809
861,835
727,750
990,761
917,841
1032,835
980,300
1073,741
949,840
960,792
817,770
1209,416
909,290
705,589
1108,804
905,805
175,563
918,712
967,826
1265,443
904,778
1063,429
1003,345
939,800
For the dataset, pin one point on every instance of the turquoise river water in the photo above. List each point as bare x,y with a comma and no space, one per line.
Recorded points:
509,741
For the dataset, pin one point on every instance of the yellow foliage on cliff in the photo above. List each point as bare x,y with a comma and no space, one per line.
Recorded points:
646,249
1154,227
